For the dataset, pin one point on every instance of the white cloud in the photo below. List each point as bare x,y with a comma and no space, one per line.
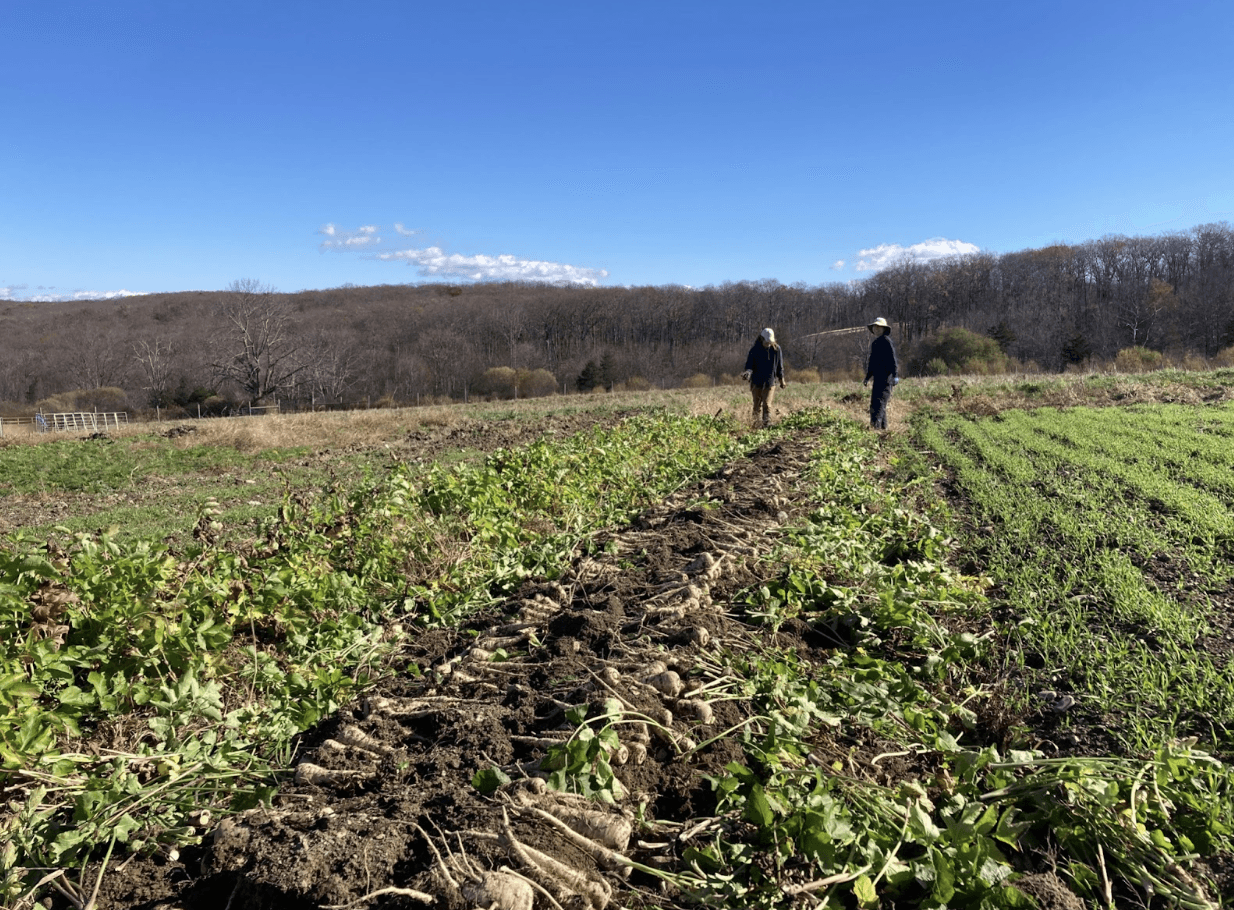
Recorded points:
434,262
8,294
837,265
880,257
365,236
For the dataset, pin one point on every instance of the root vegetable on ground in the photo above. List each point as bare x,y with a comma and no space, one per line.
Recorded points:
605,856
351,735
309,773
666,683
500,891
564,882
607,828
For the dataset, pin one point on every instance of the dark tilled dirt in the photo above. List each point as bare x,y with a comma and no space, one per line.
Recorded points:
383,795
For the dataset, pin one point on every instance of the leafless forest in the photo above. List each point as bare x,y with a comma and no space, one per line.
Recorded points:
1172,293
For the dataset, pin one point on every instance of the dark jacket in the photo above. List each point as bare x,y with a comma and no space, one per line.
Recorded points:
766,364
883,361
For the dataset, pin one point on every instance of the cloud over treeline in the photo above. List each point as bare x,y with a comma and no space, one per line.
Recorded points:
434,262
880,257
44,295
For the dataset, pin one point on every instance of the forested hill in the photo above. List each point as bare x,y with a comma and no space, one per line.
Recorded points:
1172,293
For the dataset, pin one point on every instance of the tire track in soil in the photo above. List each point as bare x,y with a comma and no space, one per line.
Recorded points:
382,802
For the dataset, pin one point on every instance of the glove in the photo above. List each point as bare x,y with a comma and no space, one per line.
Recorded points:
746,375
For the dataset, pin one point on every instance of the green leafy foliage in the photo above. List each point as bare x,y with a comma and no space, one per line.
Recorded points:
582,764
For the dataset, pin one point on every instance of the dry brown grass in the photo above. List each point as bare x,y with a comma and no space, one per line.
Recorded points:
979,395
336,429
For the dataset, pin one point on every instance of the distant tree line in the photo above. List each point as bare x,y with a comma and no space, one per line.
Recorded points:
1171,295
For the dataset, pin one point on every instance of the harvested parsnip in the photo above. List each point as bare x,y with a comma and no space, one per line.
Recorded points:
500,891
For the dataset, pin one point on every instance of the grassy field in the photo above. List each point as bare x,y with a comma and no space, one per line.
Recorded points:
1011,617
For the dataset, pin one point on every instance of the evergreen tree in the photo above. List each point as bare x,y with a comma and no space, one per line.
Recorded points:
1077,350
608,371
1003,335
589,378
1227,337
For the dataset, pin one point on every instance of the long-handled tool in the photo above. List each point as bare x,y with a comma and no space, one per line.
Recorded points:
856,328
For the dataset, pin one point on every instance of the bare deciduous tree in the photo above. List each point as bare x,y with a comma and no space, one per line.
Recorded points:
157,361
261,357
96,359
331,370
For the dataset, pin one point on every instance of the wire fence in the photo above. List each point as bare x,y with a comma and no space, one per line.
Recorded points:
93,421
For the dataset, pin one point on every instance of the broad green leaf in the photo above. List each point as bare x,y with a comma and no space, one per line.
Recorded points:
488,780
944,881
1015,899
863,890
15,685
992,871
609,738
757,809
703,858
1010,827
921,825
124,827
577,715
740,771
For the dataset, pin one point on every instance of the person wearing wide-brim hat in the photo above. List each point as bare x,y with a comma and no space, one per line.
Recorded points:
884,369
764,370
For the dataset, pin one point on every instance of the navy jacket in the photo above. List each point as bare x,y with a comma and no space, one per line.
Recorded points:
883,361
766,364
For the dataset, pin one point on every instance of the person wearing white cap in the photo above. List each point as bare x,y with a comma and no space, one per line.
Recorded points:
884,369
764,369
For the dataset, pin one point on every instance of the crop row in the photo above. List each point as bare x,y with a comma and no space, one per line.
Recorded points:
144,690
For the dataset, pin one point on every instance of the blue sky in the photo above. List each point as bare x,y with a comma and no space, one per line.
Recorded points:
165,146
